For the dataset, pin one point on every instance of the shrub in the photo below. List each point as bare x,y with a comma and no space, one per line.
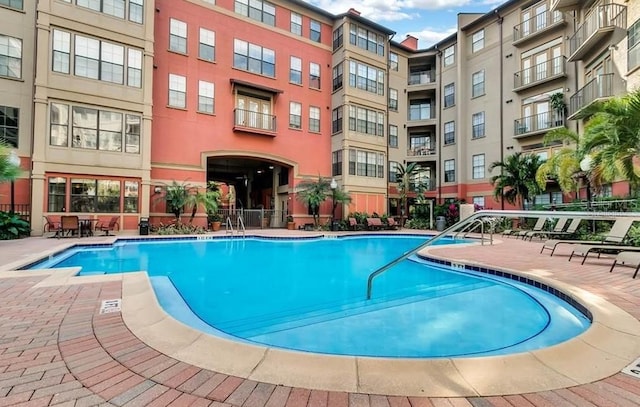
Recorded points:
13,227
178,228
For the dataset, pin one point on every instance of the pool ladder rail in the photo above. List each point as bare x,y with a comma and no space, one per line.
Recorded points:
239,226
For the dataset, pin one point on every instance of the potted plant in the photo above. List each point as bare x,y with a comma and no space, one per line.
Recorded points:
291,225
214,220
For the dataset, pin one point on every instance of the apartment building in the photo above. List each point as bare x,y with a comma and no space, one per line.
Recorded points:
109,101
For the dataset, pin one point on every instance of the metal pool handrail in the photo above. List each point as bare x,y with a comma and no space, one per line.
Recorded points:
498,214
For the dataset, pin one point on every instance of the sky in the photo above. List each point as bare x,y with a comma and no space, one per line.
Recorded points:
428,20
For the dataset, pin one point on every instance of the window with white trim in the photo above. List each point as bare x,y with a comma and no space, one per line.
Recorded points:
17,4
450,55
206,97
136,11
393,136
296,23
336,120
366,163
449,95
633,46
177,36
393,61
207,46
337,77
477,41
477,84
10,57
449,133
314,119
314,75
177,91
115,8
254,58
336,163
258,10
393,171
61,51
9,117
450,170
477,162
295,70
295,115
477,123
366,121
478,201
366,77
393,99
367,40
134,68
337,38
315,30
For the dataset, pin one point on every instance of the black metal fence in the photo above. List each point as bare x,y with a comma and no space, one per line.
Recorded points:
24,210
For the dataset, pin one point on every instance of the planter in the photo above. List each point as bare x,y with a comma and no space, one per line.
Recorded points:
215,226
291,225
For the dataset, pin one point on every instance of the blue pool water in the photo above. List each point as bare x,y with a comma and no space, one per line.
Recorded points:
309,295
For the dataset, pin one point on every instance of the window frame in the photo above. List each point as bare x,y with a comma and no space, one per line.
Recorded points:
393,61
449,167
297,25
178,36
295,62
449,137
250,59
633,46
393,100
314,119
478,129
314,75
449,58
477,84
295,120
13,62
393,136
449,95
9,4
478,169
206,97
6,125
477,40
315,30
181,82
207,45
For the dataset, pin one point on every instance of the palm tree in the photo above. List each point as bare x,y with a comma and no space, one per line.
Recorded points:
209,199
182,195
516,181
8,170
564,164
405,176
313,193
612,138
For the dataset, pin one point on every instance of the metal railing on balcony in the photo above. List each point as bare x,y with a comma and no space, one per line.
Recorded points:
422,77
254,120
427,184
536,24
602,86
419,151
607,16
540,73
538,122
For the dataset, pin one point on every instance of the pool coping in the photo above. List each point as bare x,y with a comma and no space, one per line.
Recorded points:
607,347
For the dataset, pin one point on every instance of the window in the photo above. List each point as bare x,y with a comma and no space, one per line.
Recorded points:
449,170
478,202
337,77
61,51
336,163
393,61
59,134
366,121
478,166
314,119
336,120
366,77
296,23
366,163
477,41
17,4
177,36
205,97
450,55
314,75
136,10
132,134
393,99
314,31
113,7
477,80
295,115
254,58
10,57
337,38
87,57
131,196
134,68
420,109
367,40
111,63
90,195
9,125
449,95
633,46
393,136
57,194
295,70
257,10
177,91
449,133
477,125
393,171
207,48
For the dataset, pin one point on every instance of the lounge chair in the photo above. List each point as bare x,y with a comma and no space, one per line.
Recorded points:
391,223
585,249
559,227
51,225
536,228
628,259
111,226
571,230
353,223
615,236
374,223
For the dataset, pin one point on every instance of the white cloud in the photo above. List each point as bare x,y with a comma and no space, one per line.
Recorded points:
389,10
429,36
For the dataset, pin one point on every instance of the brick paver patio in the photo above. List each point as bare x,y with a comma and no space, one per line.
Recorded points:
57,349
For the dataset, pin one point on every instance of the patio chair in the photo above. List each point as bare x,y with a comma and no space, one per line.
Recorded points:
571,230
559,227
627,259
353,223
69,225
391,223
536,228
615,236
51,225
111,226
585,249
374,224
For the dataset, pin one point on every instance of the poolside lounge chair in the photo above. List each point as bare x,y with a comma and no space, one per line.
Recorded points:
571,230
628,259
112,225
51,225
374,223
536,228
585,249
353,223
559,227
391,223
615,236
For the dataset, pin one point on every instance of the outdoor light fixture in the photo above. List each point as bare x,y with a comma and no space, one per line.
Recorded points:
157,190
15,161
334,186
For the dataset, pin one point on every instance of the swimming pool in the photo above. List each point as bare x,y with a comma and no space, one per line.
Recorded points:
309,295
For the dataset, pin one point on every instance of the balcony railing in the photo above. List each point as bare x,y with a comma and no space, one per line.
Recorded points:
254,121
600,20
538,123
428,184
536,24
422,77
421,151
540,73
602,86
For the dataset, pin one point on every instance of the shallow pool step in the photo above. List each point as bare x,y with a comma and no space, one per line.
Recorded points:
360,307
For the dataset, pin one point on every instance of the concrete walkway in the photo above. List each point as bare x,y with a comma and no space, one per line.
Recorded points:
57,349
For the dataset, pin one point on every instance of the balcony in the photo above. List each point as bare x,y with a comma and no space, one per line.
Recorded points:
427,184
600,87
422,77
538,123
254,122
421,152
595,28
536,25
540,73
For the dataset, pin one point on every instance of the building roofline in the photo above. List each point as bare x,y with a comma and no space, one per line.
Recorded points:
313,8
366,21
490,14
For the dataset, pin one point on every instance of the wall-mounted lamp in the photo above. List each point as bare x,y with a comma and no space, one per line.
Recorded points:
508,55
509,101
157,189
509,147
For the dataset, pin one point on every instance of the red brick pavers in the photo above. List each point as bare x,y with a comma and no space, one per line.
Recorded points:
57,349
